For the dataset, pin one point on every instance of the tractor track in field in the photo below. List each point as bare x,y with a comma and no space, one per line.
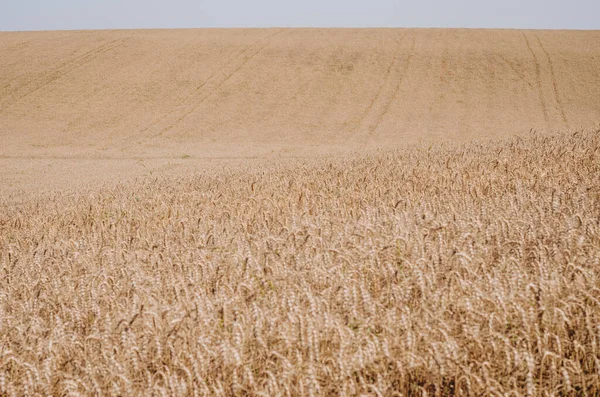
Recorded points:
381,102
559,102
538,77
59,72
399,80
195,101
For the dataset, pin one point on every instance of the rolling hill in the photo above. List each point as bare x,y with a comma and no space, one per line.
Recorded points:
240,93
300,212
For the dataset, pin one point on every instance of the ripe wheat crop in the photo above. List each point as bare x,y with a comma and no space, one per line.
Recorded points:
442,270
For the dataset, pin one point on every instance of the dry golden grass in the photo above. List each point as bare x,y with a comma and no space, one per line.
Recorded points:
446,270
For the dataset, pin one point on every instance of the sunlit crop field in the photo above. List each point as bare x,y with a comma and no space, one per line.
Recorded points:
468,269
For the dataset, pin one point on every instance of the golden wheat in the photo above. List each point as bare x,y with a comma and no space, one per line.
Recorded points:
443,270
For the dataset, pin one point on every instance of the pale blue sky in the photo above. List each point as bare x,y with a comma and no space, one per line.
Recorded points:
136,14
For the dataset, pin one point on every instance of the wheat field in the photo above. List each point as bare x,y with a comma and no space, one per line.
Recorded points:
300,212
89,106
440,269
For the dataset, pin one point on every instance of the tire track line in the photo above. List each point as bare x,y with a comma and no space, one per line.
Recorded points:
539,80
521,77
554,84
59,68
218,85
379,91
64,69
191,95
188,97
400,79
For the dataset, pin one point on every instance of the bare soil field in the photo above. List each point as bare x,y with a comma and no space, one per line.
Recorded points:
385,212
69,99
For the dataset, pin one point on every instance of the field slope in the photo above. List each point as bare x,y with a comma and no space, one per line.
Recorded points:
261,92
300,212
